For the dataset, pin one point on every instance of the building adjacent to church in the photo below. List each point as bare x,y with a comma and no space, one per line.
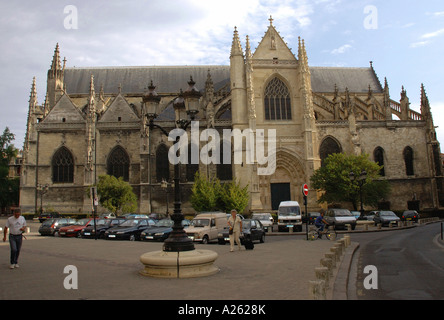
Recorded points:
93,122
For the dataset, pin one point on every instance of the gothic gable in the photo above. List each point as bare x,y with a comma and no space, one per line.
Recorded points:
119,111
273,47
64,111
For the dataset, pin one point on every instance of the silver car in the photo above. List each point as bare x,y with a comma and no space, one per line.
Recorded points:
385,218
340,218
265,218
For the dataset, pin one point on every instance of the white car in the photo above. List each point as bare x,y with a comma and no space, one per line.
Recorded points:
265,218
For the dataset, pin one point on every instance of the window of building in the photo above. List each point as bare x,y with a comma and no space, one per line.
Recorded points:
191,168
62,166
277,101
162,164
328,147
378,155
408,159
118,163
224,171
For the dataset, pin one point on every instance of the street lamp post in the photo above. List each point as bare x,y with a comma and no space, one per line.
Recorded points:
186,105
360,180
164,185
42,189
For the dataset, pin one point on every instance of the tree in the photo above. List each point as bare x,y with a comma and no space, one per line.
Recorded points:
333,180
211,195
233,196
8,187
116,194
205,193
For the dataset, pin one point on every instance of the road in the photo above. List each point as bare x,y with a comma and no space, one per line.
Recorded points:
409,265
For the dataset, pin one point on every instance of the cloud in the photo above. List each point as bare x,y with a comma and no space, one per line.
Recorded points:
433,34
419,44
342,49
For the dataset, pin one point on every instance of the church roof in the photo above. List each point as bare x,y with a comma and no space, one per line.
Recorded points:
324,79
170,79
167,79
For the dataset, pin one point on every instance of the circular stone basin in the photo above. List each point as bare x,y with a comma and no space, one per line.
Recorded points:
184,264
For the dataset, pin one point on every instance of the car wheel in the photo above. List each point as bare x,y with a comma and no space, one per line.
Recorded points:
132,237
78,235
205,240
262,240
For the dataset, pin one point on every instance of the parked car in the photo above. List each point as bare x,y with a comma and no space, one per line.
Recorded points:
108,215
50,227
356,214
130,229
135,216
161,230
157,216
339,218
369,216
74,229
410,215
385,218
101,226
205,227
265,218
49,215
252,229
312,217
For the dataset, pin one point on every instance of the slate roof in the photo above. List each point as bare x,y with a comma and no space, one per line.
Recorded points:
170,79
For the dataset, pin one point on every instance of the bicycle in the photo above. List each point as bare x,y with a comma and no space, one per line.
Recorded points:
329,234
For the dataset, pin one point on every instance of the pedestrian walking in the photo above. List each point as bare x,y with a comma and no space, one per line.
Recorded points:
17,226
235,224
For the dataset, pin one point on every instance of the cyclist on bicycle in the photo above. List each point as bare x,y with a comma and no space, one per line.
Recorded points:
320,223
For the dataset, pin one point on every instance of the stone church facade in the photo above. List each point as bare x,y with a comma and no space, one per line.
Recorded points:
93,122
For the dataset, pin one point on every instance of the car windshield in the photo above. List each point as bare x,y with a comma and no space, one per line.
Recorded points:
82,222
101,222
130,223
261,216
164,223
200,222
387,213
342,213
47,223
289,211
246,224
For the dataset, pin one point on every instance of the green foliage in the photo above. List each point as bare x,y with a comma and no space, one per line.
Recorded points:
205,193
9,188
233,196
116,194
333,178
211,195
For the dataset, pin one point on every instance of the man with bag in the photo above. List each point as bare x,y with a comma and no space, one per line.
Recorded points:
235,224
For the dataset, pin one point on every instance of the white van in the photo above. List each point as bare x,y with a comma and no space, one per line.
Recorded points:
289,216
205,227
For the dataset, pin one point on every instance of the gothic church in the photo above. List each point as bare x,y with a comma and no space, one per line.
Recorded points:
93,122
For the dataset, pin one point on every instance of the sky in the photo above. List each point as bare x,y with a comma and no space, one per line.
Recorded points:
404,39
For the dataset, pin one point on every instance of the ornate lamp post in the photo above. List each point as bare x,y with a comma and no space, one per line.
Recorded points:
360,180
186,106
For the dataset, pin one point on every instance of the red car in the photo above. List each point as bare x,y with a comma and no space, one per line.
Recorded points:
74,229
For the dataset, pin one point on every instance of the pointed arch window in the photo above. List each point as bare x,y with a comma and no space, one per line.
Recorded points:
328,147
162,163
118,163
408,160
224,171
191,168
378,155
63,166
277,101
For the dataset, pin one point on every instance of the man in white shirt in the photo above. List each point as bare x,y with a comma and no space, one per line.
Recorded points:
17,226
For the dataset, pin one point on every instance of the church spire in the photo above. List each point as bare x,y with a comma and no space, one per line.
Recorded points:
56,64
33,96
236,48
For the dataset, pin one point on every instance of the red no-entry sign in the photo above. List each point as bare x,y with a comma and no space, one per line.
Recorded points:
305,190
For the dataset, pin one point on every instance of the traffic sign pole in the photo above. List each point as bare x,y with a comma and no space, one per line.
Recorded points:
305,194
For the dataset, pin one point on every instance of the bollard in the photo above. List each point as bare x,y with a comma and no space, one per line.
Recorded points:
322,273
332,257
379,226
334,250
327,263
316,290
347,240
